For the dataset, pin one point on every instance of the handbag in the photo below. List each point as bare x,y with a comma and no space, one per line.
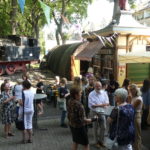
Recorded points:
113,144
20,123
61,102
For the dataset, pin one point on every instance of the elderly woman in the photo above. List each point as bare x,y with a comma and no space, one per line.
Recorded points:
77,119
8,111
125,131
137,102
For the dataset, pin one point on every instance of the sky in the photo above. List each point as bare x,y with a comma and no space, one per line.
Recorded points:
99,10
100,13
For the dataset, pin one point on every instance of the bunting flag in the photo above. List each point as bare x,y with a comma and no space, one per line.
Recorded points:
46,10
21,4
109,41
103,39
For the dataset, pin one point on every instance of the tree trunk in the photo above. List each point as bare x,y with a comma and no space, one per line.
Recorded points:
13,16
63,39
36,29
57,37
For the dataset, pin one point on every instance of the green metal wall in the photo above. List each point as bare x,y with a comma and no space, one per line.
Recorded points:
59,59
137,72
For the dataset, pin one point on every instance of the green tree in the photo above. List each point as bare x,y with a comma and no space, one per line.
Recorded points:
14,22
32,20
5,24
65,12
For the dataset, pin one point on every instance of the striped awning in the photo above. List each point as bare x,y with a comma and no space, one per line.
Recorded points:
89,51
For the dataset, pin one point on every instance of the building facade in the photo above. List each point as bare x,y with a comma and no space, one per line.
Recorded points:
142,13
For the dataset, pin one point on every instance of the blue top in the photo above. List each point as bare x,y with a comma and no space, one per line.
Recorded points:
62,91
126,131
146,97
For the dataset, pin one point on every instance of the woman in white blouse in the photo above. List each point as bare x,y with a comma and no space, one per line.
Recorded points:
27,102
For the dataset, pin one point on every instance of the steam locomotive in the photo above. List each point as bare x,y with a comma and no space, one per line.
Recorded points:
16,52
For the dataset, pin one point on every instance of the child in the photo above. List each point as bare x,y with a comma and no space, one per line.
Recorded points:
39,90
63,92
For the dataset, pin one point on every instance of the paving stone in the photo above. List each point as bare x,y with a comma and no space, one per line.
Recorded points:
55,138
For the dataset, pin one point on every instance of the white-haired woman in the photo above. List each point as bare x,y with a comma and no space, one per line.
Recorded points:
137,102
125,131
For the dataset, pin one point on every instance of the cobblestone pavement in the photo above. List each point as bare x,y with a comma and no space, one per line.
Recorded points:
55,138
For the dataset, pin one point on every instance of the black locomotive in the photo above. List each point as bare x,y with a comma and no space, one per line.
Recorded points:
16,52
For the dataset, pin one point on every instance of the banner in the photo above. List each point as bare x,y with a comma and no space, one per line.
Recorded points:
21,4
46,10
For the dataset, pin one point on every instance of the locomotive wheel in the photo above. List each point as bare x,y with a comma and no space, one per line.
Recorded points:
10,69
1,70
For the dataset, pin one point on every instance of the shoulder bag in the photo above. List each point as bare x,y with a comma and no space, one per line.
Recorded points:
112,144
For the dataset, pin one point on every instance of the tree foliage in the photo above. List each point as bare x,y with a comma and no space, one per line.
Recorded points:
27,24
67,12
64,13
33,19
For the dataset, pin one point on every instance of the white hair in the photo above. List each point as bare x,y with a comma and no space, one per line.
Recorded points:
122,93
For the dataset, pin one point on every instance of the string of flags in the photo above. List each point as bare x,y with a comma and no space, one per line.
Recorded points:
21,4
46,9
103,39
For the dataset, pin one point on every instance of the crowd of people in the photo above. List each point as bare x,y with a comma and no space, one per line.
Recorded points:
17,104
79,103
132,102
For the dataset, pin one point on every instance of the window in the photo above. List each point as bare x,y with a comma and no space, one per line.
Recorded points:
148,48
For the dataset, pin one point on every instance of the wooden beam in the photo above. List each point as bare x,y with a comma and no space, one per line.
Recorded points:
148,41
127,42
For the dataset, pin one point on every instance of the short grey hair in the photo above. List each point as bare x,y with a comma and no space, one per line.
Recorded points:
122,94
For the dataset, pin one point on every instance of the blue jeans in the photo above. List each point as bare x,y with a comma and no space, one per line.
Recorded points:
63,116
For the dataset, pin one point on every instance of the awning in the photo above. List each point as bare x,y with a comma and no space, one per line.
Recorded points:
89,51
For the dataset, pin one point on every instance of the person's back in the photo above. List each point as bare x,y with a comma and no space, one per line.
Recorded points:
125,134
146,93
28,103
18,91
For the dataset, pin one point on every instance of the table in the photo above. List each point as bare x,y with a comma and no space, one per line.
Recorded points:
105,111
35,119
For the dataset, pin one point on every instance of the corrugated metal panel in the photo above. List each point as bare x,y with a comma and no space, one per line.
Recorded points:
55,58
59,59
65,63
138,72
90,50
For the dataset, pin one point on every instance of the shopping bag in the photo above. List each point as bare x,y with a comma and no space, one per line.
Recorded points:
111,144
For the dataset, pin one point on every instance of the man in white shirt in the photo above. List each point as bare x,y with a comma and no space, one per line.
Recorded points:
98,98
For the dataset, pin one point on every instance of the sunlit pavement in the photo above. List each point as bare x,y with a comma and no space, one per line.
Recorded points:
55,138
